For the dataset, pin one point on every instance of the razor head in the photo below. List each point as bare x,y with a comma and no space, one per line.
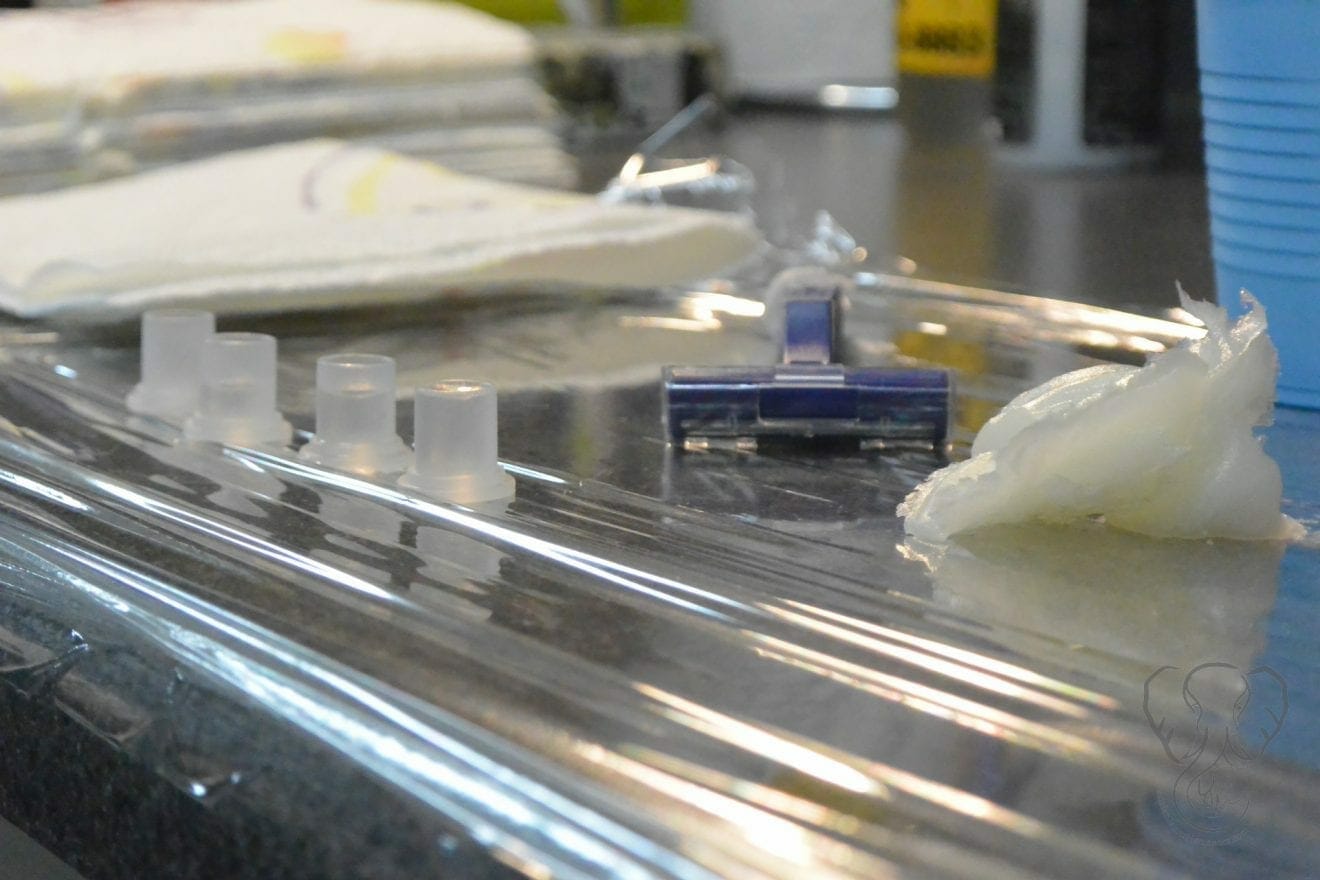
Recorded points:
740,406
809,396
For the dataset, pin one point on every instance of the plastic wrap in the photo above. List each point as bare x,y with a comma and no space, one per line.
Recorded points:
642,665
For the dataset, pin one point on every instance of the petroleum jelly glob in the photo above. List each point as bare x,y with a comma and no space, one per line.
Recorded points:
1167,449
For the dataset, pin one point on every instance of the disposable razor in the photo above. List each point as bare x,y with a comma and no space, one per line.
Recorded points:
809,396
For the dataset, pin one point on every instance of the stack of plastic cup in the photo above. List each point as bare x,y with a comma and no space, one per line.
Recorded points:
1260,91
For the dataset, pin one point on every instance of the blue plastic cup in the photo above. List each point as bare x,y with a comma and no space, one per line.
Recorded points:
1299,242
1261,114
1266,260
1261,213
1259,163
1258,38
1284,297
1291,141
1297,193
1295,92
1260,86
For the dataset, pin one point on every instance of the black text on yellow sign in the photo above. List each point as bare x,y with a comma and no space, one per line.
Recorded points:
947,37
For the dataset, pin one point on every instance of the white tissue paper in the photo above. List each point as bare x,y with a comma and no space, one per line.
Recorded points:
321,223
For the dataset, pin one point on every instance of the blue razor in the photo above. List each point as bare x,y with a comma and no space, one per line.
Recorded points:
809,396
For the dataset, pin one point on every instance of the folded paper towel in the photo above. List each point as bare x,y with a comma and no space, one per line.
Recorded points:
132,50
323,223
104,90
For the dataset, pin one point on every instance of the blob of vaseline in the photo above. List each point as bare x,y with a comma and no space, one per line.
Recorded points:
1167,449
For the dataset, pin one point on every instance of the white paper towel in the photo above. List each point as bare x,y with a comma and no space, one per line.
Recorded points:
113,52
320,223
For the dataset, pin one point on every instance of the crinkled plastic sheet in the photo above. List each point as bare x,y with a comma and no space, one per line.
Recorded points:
648,663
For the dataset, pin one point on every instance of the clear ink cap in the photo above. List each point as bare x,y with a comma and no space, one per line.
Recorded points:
171,381
237,400
355,416
455,444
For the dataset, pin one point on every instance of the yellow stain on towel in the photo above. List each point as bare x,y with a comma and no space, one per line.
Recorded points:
364,193
15,84
308,47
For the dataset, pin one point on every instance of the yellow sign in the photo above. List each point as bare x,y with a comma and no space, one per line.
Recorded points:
947,37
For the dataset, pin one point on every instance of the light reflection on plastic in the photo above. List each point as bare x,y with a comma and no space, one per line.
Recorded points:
708,305
1049,311
676,176
963,802
963,672
1146,346
242,539
1119,322
660,322
482,782
264,461
921,698
765,833
858,97
778,748
473,783
774,799
50,493
962,655
632,167
886,779
247,463
1182,316
616,573
1098,338
531,473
